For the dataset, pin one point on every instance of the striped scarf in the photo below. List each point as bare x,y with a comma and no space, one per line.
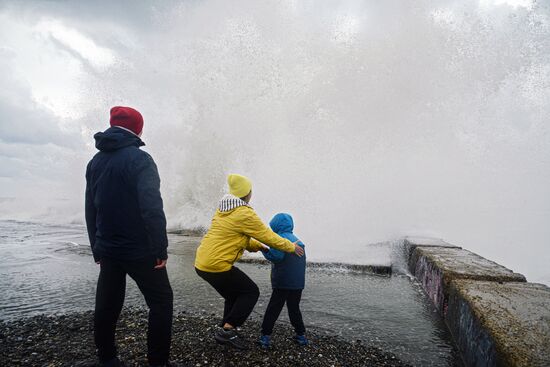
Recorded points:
230,202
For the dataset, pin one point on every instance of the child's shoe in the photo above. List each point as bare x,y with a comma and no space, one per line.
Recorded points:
301,339
265,341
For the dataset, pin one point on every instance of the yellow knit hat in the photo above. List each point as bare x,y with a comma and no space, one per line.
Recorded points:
239,185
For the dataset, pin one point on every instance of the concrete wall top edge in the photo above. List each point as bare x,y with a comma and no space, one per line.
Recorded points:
426,241
457,263
495,316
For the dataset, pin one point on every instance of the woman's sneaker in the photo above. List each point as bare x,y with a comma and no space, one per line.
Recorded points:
301,339
265,341
230,337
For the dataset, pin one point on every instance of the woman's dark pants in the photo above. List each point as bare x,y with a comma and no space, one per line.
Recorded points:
111,288
292,298
238,290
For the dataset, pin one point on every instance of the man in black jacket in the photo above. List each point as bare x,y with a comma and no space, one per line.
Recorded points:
127,231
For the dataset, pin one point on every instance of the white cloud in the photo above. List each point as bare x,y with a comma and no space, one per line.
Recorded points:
38,65
407,120
528,4
85,47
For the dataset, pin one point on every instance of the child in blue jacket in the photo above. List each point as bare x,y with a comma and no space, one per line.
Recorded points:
288,273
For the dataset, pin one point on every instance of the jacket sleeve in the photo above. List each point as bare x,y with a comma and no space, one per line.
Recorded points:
275,256
254,245
254,227
90,213
151,206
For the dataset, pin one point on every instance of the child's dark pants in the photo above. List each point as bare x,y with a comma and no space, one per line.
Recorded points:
292,298
111,288
238,290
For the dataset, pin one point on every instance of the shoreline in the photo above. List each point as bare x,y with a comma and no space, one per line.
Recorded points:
67,340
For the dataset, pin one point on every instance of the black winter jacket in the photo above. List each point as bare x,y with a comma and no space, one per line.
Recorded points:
124,211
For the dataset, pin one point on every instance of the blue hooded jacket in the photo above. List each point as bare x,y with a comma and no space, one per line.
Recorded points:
124,210
288,270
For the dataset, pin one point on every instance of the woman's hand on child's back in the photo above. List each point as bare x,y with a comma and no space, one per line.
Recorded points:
298,250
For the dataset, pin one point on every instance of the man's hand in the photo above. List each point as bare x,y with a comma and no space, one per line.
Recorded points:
298,250
161,264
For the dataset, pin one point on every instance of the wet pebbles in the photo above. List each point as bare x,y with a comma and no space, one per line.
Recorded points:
67,340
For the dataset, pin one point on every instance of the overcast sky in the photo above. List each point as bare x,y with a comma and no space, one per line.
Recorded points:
51,52
420,118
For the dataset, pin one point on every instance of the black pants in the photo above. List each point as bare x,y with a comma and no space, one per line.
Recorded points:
111,289
292,298
238,290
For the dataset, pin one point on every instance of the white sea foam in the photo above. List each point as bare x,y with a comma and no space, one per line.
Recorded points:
366,120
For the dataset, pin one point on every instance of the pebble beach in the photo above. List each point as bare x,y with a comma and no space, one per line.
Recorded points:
67,340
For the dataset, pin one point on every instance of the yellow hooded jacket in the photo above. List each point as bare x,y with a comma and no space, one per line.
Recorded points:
235,227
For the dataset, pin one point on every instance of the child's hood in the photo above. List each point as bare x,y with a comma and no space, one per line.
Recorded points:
282,223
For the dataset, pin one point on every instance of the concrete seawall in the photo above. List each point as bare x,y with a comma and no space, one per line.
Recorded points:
494,315
383,270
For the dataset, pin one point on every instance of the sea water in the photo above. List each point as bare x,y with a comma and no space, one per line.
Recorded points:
46,269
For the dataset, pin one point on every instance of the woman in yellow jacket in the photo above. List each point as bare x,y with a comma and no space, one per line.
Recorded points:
235,227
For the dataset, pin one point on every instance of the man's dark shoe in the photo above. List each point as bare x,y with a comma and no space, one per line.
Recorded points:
230,337
115,362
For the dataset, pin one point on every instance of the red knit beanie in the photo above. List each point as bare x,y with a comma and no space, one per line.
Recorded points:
127,118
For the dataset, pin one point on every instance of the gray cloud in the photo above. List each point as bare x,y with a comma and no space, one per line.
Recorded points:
21,119
138,15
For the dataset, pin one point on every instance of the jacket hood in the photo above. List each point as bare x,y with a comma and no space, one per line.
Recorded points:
282,223
115,138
